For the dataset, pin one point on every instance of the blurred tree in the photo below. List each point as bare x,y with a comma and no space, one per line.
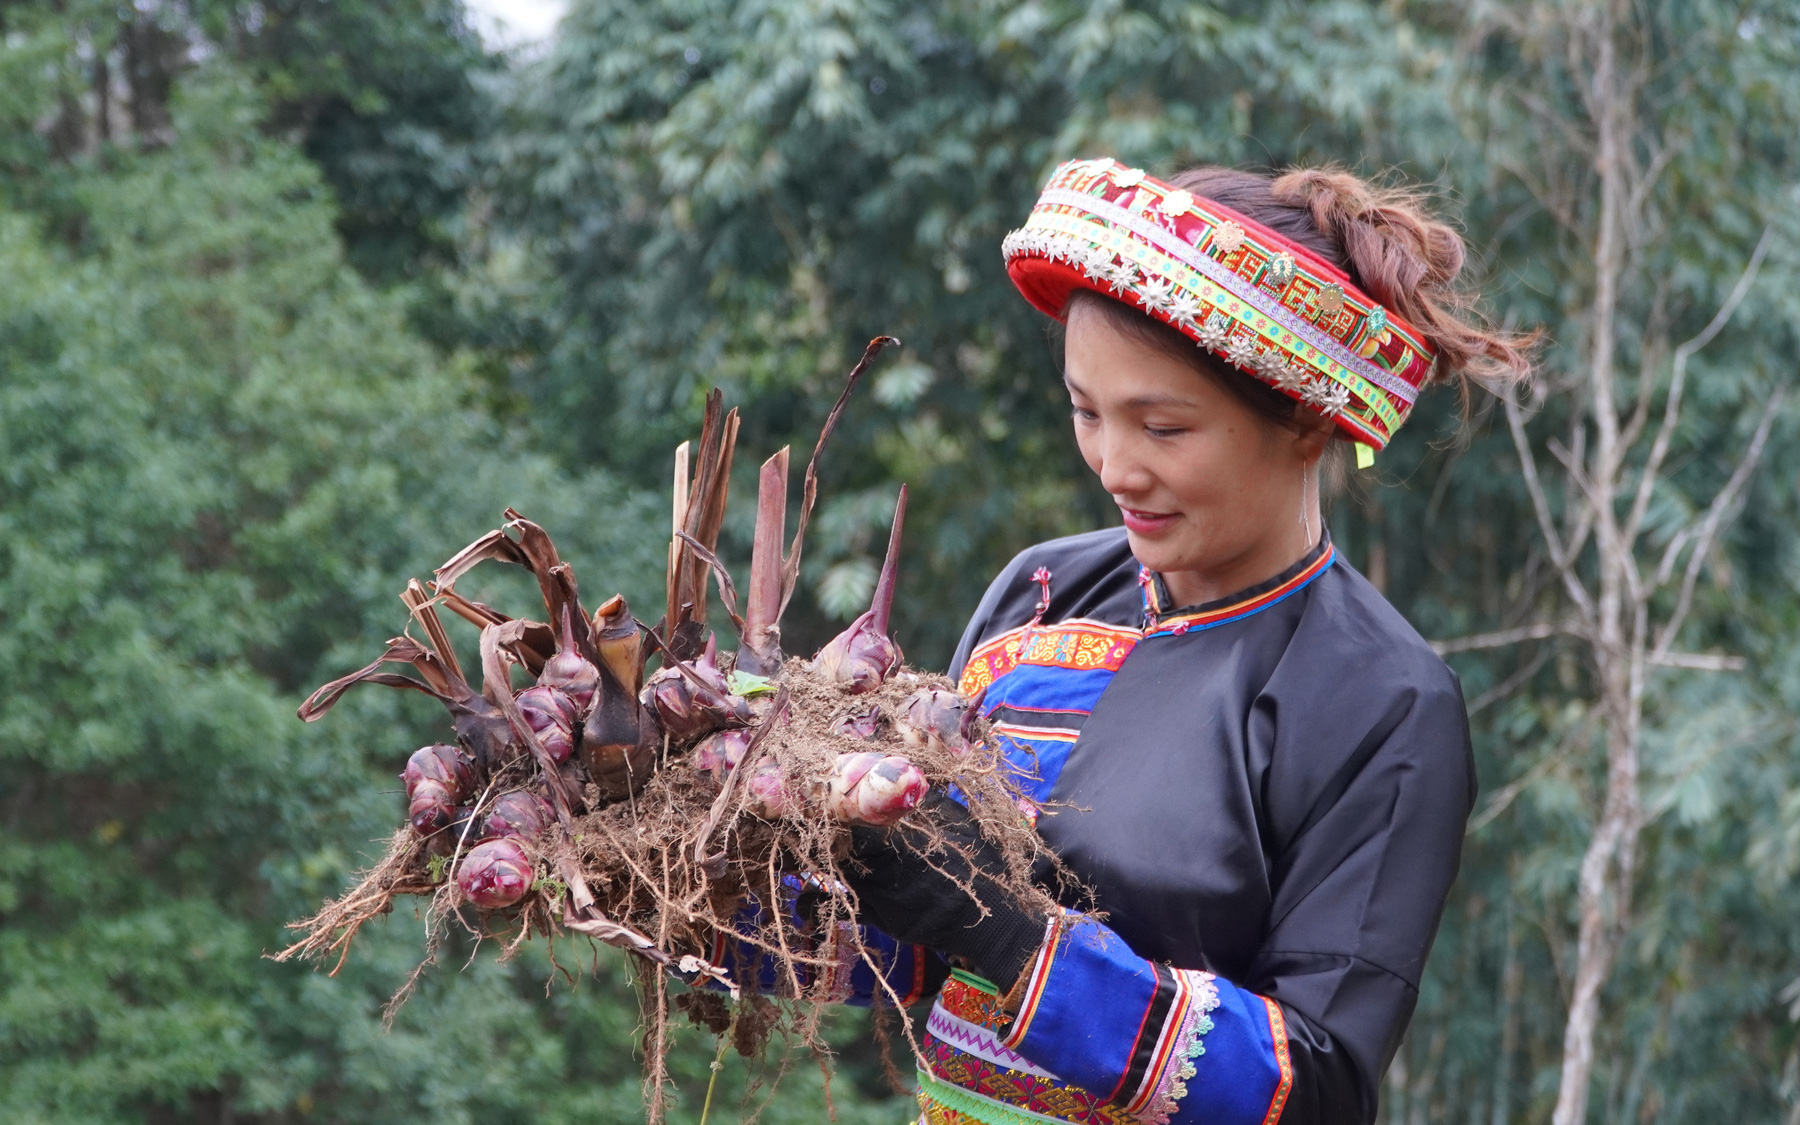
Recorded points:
1622,166
386,98
222,454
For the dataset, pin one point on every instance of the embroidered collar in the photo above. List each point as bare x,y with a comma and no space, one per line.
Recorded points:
1159,622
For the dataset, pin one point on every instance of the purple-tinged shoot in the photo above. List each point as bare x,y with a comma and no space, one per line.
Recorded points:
862,657
873,789
495,874
769,797
442,764
551,715
570,672
694,699
720,752
859,724
933,717
429,807
518,816
436,779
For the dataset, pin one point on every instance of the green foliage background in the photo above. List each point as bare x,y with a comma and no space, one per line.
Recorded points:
295,297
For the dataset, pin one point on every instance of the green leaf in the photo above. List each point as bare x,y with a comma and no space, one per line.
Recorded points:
745,683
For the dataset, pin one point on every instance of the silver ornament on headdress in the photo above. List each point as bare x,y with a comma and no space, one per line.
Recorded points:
1216,331
1329,300
1281,269
1228,237
1336,400
1242,351
1156,293
1185,310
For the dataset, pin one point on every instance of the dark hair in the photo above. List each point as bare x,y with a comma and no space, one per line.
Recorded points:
1385,238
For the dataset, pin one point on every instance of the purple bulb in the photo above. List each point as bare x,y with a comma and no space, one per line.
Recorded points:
495,874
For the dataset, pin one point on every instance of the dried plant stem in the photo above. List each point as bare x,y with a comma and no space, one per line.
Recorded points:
718,1064
809,489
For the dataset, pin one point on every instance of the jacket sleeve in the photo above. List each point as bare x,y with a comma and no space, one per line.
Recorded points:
1364,858
1305,1037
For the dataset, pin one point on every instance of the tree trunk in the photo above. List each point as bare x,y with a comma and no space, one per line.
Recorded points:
1617,635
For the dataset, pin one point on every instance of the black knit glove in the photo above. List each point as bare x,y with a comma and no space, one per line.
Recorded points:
925,903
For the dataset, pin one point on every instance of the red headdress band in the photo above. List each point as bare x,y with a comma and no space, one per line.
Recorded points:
1264,304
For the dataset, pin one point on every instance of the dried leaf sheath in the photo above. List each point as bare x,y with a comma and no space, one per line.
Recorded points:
701,518
760,652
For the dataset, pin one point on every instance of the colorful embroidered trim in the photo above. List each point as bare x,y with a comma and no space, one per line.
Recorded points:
1236,611
977,1041
937,1096
1263,304
1181,1041
971,1075
1080,644
1054,931
916,992
1278,1032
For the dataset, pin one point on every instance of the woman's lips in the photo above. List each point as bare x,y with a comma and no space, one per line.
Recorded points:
1147,523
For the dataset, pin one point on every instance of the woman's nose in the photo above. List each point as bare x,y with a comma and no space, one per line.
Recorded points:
1122,470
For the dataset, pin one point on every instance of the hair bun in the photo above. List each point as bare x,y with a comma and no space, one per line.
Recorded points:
1407,258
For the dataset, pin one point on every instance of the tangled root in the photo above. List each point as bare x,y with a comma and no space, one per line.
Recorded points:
673,866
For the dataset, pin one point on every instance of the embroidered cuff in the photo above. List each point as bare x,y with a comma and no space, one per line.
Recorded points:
1097,1015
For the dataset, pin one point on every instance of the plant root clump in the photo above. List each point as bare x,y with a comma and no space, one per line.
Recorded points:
646,862
699,818
661,864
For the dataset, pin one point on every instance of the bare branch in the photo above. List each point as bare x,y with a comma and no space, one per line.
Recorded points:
1659,448
1666,567
1508,793
1715,519
1699,661
1541,507
1650,355
1646,180
1519,678
1500,639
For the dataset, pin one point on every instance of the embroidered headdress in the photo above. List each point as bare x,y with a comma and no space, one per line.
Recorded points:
1262,303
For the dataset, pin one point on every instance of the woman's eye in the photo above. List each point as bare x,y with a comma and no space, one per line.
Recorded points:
1165,431
1082,414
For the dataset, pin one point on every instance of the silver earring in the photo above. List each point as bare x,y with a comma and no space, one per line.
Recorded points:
1305,526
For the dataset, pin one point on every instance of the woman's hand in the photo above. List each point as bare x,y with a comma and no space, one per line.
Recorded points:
949,900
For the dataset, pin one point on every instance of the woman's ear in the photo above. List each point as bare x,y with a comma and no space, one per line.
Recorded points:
1312,433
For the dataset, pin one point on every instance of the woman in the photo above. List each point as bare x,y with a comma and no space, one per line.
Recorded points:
1256,772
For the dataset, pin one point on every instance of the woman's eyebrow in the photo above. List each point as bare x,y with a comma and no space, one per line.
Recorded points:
1137,402
1141,402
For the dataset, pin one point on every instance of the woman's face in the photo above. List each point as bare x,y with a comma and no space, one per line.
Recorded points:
1210,491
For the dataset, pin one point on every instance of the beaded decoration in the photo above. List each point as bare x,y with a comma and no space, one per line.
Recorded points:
1269,307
